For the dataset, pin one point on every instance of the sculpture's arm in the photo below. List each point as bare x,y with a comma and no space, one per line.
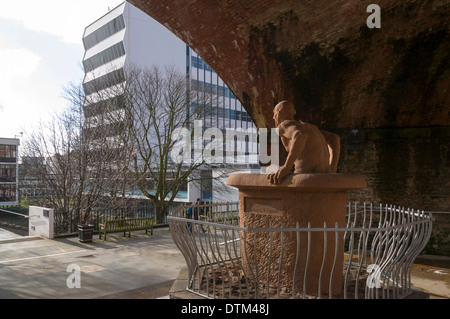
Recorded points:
297,141
296,146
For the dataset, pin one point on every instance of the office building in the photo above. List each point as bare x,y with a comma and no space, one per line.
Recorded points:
239,133
126,37
123,37
9,161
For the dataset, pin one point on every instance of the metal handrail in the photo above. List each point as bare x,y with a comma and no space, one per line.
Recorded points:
381,244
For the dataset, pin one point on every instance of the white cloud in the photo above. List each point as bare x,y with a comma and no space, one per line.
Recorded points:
17,63
17,66
40,52
65,19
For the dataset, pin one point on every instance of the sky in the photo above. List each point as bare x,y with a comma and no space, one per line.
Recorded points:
41,51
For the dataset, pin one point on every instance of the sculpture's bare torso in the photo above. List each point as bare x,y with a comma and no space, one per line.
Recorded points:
309,149
311,152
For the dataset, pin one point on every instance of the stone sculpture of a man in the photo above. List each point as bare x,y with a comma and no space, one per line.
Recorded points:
309,149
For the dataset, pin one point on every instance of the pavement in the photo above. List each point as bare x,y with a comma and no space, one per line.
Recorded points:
141,267
431,274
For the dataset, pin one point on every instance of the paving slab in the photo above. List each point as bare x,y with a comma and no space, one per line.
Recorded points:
143,266
432,275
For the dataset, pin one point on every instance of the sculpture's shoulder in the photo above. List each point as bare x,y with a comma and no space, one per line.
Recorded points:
308,126
310,129
288,128
291,124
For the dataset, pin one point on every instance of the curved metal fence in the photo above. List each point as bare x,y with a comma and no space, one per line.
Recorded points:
380,244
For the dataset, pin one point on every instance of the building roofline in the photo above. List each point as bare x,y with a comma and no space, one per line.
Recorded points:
9,141
123,3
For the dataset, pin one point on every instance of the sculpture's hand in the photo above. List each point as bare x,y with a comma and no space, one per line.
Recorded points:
279,175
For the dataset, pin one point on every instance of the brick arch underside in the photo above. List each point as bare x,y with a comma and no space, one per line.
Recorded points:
321,55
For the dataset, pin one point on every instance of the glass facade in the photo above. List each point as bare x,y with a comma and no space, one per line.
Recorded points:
112,104
223,113
227,107
198,63
101,58
220,90
225,110
104,32
105,81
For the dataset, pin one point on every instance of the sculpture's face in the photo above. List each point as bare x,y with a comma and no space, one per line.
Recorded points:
276,114
280,114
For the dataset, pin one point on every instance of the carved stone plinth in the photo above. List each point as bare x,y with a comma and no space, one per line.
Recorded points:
300,199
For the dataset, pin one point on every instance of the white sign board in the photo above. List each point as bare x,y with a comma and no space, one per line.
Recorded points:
41,222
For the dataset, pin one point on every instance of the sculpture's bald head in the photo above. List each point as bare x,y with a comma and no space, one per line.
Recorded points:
283,111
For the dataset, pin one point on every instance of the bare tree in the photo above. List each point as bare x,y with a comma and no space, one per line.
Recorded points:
152,109
120,134
79,169
55,145
158,105
107,157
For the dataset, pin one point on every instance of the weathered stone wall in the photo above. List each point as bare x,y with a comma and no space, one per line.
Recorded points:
404,167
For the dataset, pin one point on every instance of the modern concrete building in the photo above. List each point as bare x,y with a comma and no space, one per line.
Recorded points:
9,161
122,38
126,37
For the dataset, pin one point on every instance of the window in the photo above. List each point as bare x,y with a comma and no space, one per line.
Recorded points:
7,193
247,145
105,130
112,104
8,153
7,173
104,82
198,63
108,55
187,60
104,32
212,88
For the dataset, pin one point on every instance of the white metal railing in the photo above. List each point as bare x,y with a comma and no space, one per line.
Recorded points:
380,246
